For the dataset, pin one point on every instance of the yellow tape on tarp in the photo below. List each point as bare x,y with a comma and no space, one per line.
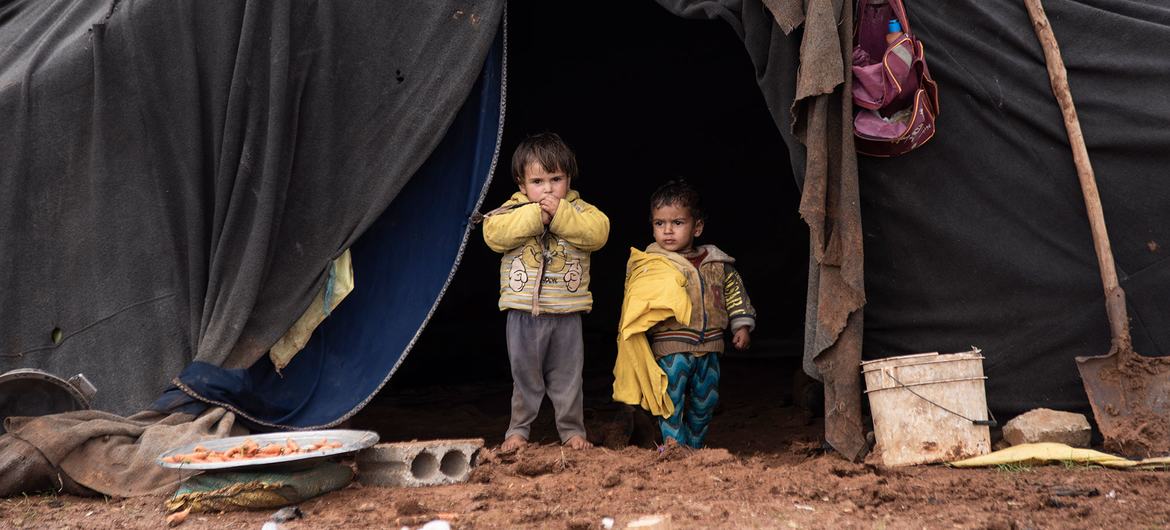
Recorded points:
295,339
1054,453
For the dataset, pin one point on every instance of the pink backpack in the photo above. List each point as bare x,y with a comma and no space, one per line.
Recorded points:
895,100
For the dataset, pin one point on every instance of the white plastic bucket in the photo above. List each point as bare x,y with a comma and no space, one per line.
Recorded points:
928,407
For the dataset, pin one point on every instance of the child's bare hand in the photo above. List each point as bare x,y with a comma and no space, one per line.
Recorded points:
742,339
545,217
549,204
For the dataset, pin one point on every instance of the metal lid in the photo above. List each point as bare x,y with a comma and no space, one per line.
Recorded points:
32,392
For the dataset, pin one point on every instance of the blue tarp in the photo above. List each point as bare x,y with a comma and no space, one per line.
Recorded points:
402,265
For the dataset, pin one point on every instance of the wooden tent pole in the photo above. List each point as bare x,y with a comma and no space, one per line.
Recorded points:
1058,76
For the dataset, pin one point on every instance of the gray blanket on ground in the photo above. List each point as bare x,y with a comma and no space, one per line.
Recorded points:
89,452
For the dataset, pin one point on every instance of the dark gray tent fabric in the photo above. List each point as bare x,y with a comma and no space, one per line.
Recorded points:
175,176
980,238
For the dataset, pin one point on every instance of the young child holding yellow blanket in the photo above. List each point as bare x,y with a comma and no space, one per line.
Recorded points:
679,299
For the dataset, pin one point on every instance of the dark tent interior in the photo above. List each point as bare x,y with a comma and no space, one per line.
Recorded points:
641,98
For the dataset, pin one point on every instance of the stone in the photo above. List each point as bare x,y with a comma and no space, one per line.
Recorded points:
426,463
651,522
1046,425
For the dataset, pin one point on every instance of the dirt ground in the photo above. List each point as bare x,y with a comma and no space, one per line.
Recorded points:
765,468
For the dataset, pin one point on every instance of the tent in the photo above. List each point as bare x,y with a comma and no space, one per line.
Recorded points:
179,178
980,237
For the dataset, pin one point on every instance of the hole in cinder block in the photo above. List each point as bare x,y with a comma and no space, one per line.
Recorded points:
424,466
454,464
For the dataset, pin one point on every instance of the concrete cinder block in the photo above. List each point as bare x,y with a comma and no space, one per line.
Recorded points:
426,463
1046,425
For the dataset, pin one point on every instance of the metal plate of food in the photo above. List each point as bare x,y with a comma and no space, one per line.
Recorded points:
265,450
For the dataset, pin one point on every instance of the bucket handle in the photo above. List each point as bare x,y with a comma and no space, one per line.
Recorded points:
986,423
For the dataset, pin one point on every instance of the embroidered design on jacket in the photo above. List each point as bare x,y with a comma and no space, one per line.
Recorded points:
555,257
573,276
517,275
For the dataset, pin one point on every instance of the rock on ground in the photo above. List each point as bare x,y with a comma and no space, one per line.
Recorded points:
1046,425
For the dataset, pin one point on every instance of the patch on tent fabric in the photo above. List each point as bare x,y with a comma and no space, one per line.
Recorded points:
224,492
339,285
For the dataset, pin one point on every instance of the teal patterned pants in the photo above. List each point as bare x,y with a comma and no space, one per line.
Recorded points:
694,390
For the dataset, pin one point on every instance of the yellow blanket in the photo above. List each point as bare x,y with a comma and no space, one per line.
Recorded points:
655,291
1049,453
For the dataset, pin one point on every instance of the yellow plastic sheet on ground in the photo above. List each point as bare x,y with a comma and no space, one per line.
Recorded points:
1054,453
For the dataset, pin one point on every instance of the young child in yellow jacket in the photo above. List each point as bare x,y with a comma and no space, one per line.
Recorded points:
545,233
693,308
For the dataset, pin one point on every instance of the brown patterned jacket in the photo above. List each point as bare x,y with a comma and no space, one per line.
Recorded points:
718,300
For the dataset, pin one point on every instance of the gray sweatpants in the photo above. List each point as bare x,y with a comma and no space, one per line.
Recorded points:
547,354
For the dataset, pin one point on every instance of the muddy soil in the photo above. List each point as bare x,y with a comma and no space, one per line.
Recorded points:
765,468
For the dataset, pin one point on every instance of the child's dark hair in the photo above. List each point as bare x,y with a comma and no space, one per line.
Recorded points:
549,150
678,193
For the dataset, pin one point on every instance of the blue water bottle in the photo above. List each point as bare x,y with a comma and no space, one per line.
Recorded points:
893,31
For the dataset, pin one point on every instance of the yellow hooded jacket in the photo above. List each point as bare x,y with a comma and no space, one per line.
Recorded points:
655,291
557,254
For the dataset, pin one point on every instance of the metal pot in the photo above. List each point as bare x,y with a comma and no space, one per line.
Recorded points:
32,392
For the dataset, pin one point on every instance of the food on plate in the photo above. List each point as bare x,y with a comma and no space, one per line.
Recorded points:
249,450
